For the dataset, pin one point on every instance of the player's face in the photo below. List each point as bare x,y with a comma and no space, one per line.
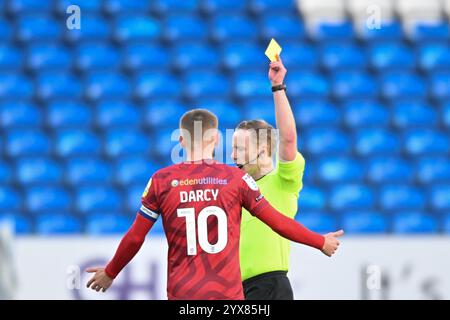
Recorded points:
245,151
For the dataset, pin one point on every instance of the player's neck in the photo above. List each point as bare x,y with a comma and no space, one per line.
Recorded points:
198,157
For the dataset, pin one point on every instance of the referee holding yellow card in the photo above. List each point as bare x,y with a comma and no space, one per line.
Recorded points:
264,255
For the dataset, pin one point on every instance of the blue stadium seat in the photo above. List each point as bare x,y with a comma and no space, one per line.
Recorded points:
57,224
68,115
258,109
97,199
281,27
299,56
86,5
87,171
440,197
342,55
205,84
194,56
125,142
96,56
9,199
327,31
48,57
38,171
53,85
15,86
446,223
165,6
339,169
445,115
351,196
324,141
126,7
417,142
133,197
142,56
222,6
94,27
440,86
107,223
388,169
184,27
242,56
18,7
414,222
316,113
163,114
376,141
132,28
311,199
75,142
134,170
111,114
5,173
389,30
434,56
400,197
26,143
164,142
232,27
251,85
386,56
269,6
39,198
21,225
430,170
305,84
348,84
398,85
107,85
413,114
38,28
422,32
357,222
19,115
317,221
10,57
152,85
7,30
365,113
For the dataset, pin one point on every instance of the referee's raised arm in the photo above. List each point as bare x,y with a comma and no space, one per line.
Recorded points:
287,149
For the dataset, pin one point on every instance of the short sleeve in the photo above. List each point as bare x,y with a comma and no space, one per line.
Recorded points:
291,173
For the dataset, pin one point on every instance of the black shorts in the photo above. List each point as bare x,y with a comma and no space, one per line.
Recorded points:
268,286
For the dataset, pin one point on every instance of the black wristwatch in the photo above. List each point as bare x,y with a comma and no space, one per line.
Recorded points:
279,87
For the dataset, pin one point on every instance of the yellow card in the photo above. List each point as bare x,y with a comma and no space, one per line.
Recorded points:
273,50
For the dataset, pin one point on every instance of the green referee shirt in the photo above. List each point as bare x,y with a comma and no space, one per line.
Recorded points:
261,249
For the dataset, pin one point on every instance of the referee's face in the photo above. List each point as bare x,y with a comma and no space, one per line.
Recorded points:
245,151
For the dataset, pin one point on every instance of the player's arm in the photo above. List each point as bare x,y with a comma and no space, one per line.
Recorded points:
128,247
254,202
287,148
294,231
130,243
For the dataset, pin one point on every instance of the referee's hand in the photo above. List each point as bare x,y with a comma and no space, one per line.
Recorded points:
277,72
331,242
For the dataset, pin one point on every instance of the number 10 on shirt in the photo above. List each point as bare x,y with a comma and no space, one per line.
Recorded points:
202,228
